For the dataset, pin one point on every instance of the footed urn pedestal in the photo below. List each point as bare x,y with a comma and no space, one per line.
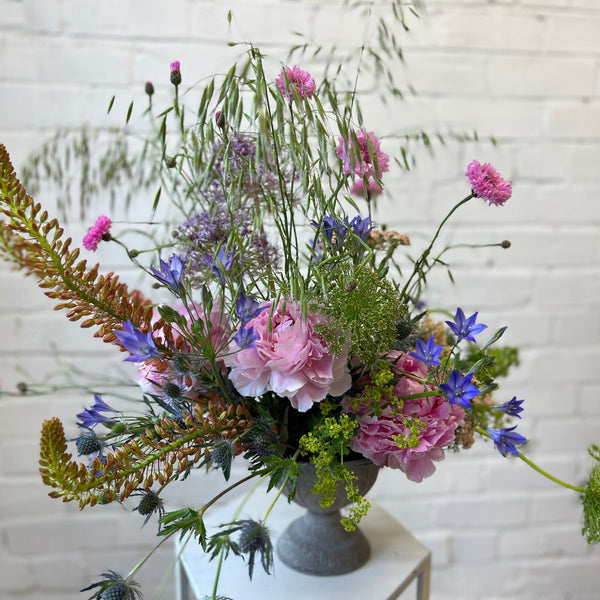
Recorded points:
317,543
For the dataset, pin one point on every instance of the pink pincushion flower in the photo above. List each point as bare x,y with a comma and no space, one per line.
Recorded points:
372,188
297,79
487,183
96,233
438,420
361,160
289,358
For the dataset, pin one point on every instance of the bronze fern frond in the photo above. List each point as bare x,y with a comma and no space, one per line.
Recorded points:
34,242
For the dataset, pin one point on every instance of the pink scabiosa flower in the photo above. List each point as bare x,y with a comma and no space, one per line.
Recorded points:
428,422
366,160
295,78
488,184
96,233
289,358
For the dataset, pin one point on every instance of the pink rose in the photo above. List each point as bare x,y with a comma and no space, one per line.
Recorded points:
290,359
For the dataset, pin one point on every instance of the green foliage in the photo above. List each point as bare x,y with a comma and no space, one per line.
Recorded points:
591,500
363,303
83,164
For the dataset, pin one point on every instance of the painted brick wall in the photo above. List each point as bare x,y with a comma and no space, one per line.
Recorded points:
526,72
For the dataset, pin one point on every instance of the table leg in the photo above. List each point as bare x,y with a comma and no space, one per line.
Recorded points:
423,579
182,584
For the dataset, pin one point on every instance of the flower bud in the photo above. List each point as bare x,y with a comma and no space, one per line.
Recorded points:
220,119
175,73
506,244
149,88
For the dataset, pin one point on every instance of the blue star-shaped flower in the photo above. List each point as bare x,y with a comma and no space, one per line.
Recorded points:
505,439
427,353
219,264
140,345
171,273
92,416
247,308
245,337
361,227
512,407
465,328
459,389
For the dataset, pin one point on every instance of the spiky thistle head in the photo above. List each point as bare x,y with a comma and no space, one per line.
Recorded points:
114,587
150,503
254,538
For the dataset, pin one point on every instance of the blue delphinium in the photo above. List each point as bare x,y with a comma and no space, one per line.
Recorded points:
247,308
171,273
140,345
459,389
465,328
92,416
505,439
512,407
427,353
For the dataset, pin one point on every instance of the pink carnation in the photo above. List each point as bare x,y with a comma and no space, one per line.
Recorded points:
365,162
290,359
96,233
300,80
438,419
488,184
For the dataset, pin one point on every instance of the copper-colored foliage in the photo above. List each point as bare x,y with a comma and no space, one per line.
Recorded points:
34,242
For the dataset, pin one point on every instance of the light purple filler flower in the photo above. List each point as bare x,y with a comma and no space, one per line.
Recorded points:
96,233
295,78
487,183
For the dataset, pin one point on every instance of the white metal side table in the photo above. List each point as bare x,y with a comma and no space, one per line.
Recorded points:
397,559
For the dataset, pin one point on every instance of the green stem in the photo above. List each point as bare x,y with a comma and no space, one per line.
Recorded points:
280,490
551,477
423,258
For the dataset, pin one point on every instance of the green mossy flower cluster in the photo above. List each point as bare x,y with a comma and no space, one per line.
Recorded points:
362,302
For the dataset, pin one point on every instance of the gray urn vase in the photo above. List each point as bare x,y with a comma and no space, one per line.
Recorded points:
317,543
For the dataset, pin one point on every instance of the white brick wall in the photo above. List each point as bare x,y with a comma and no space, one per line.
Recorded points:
526,72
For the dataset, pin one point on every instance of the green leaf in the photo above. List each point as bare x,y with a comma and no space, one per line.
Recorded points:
129,111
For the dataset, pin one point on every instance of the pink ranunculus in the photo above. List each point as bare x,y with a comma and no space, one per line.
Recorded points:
96,233
487,183
297,79
361,160
289,358
438,419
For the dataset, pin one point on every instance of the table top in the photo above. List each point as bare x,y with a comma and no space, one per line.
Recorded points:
395,557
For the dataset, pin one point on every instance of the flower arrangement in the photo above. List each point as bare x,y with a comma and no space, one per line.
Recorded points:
291,333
